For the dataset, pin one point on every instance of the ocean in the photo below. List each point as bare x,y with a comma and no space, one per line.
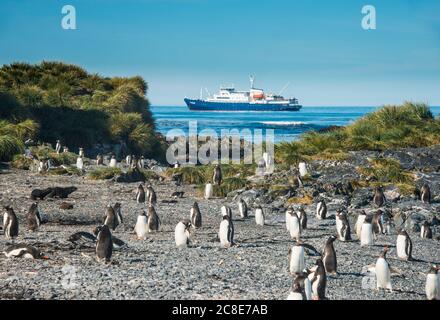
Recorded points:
287,126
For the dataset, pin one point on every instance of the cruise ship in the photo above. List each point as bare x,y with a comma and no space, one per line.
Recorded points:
229,99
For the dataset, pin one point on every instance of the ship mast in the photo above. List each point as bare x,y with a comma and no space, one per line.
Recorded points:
251,79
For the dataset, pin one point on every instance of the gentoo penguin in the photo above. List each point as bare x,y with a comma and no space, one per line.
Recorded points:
153,219
58,147
133,163
360,220
82,237
10,223
379,197
140,194
65,149
301,288
152,198
288,216
294,226
296,292
302,167
259,215
33,217
141,227
25,251
141,163
319,281
296,258
343,226
404,246
104,244
386,220
118,212
321,210
195,216
425,194
226,232
99,160
209,191
425,231
367,231
226,211
242,208
217,177
182,233
302,218
432,287
113,162
81,152
111,219
128,160
383,273
329,256
377,223
79,163
176,165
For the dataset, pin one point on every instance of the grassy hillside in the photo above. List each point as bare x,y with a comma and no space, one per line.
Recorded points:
62,101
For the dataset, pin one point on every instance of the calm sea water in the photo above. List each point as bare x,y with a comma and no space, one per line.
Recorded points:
287,125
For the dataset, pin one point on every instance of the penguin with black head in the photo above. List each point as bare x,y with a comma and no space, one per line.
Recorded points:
104,244
140,194
153,219
425,194
379,197
33,217
425,231
195,216
10,223
343,226
329,257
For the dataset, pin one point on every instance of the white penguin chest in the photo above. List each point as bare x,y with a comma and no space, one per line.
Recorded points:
294,227
401,247
223,232
181,235
382,273
367,234
432,286
259,217
141,227
297,263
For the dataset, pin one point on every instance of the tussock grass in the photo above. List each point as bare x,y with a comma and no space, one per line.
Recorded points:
104,173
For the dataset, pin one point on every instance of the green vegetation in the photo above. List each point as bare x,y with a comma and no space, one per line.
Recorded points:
68,170
409,125
104,173
53,100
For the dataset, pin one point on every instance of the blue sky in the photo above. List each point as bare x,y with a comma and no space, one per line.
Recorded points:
179,46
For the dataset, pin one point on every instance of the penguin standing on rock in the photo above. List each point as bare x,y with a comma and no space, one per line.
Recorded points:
425,194
383,273
379,197
99,160
58,147
111,219
242,208
128,160
294,226
226,232
25,251
153,219
118,212
79,163
425,231
217,177
367,231
195,216
182,233
321,210
141,227
377,223
329,256
302,218
10,223
319,281
432,286
360,220
259,216
343,226
104,244
404,246
140,194
152,198
33,217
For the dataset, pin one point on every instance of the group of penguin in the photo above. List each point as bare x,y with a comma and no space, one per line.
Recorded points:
307,284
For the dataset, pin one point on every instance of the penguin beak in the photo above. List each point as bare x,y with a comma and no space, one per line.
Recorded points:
45,257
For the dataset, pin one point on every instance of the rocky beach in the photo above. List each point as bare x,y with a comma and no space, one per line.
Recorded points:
255,268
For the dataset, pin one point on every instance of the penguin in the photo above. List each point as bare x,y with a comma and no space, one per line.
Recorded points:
432,286
404,246
79,163
302,167
111,219
360,220
242,208
383,273
10,223
176,165
133,162
226,232
141,163
302,218
288,216
33,217
301,288
82,237
296,292
379,197
113,162
343,226
367,231
195,216
152,198
259,215
425,194
226,211
153,219
377,223
25,251
81,152
387,221
425,231
217,177
329,256
99,160
128,160
321,210
104,244
65,149
209,191
296,258
141,227
294,226
118,212
182,233
118,243
319,281
140,194
58,147
177,194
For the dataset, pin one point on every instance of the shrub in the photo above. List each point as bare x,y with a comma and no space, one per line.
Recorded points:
104,173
